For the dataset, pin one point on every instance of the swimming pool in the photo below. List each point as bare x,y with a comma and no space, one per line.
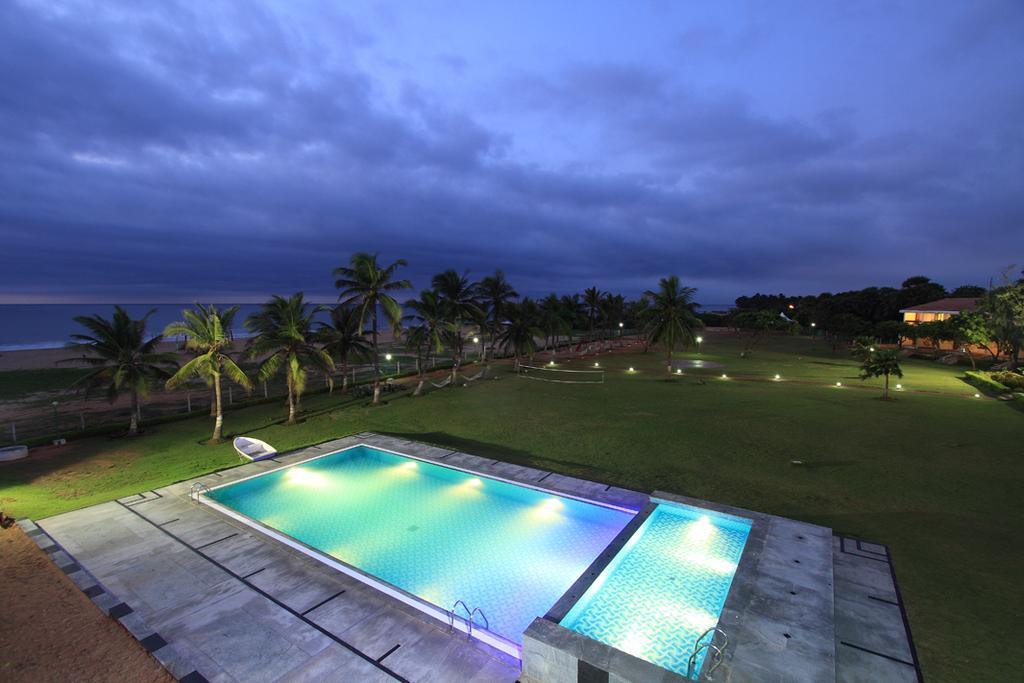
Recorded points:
666,586
437,534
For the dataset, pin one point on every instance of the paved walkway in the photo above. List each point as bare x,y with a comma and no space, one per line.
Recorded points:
236,606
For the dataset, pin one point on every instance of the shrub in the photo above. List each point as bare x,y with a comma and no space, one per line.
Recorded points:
984,381
1013,380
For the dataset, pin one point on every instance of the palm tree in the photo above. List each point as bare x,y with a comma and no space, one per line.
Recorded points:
460,301
552,320
574,312
207,333
592,298
520,331
882,363
364,283
671,320
343,339
495,293
284,338
427,335
121,357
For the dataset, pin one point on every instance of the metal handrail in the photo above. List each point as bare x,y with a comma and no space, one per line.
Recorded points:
487,623
452,615
196,490
717,652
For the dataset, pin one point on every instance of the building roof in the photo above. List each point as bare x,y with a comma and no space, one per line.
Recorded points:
948,305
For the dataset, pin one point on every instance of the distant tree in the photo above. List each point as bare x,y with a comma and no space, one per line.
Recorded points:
919,290
521,331
862,347
1004,308
592,298
495,294
971,328
881,363
207,333
755,326
889,331
285,339
429,328
672,321
935,331
460,301
370,287
968,292
121,358
553,320
343,339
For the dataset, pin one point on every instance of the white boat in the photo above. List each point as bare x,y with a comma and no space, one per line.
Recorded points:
252,450
13,453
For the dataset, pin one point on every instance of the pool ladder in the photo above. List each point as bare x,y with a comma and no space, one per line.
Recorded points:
197,489
470,613
715,651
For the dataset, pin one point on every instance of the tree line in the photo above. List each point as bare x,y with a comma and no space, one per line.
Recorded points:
286,337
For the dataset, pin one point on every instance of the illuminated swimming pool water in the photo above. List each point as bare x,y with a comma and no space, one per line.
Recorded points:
665,587
435,532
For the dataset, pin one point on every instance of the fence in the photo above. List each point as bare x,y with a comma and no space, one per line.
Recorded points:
71,416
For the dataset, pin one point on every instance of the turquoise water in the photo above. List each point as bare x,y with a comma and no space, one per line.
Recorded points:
665,587
438,533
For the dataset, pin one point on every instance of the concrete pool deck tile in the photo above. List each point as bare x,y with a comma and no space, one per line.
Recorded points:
346,611
856,666
381,631
335,663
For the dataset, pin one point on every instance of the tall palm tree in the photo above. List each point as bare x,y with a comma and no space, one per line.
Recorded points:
671,320
367,285
592,298
520,331
207,333
121,357
552,320
574,312
881,363
495,294
343,339
284,338
460,301
428,332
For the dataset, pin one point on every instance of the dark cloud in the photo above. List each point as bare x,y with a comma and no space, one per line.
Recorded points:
231,151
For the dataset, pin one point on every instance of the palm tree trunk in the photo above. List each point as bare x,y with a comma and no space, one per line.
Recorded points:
291,402
344,376
376,360
213,402
668,360
218,423
133,425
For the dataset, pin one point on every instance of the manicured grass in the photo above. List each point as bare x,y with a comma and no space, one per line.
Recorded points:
935,474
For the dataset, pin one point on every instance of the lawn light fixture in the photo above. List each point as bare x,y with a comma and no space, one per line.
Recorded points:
839,384
679,371
597,365
778,377
551,363
977,396
387,356
631,369
725,376
899,387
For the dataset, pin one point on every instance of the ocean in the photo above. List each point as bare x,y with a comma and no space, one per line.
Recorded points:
49,326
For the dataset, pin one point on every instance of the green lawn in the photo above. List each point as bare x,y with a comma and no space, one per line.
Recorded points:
936,474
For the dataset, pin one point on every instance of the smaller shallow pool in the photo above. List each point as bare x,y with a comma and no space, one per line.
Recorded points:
666,587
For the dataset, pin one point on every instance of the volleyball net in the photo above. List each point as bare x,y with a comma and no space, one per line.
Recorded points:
559,376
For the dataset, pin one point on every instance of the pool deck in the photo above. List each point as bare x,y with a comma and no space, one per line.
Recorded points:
224,603
216,600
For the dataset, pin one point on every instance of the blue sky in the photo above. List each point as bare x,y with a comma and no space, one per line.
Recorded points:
225,151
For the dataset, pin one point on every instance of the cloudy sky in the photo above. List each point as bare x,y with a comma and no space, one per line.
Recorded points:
170,150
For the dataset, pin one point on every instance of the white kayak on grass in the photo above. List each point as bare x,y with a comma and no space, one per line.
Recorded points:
253,449
13,453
